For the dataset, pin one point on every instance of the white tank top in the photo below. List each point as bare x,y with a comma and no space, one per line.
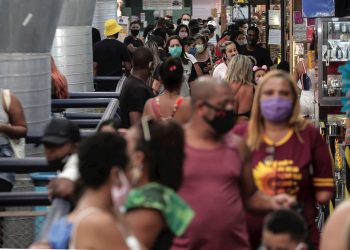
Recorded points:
131,241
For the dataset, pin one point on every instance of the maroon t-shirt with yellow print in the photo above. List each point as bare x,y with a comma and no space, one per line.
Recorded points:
300,164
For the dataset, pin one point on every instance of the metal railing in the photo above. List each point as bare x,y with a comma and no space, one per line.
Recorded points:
107,78
86,100
80,103
82,95
15,220
16,199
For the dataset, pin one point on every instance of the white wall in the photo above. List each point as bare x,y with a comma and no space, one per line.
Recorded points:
202,8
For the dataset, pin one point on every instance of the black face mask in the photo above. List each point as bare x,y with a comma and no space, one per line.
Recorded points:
223,121
58,164
252,41
134,32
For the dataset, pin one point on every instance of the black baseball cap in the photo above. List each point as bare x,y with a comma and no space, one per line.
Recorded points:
60,131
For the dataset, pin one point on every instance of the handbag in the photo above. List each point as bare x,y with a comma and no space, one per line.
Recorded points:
17,145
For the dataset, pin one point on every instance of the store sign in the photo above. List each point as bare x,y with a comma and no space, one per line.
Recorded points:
319,8
162,4
142,17
298,17
275,37
275,17
299,33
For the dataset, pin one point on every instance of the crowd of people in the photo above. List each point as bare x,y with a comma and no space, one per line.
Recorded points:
211,152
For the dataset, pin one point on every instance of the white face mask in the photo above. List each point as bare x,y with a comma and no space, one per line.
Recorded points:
185,22
200,48
120,194
242,42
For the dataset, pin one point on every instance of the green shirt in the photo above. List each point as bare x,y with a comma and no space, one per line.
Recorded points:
177,214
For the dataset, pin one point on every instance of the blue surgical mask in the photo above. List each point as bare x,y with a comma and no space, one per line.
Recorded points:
175,51
192,51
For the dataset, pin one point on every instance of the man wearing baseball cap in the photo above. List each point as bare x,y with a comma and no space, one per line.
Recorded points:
109,55
61,138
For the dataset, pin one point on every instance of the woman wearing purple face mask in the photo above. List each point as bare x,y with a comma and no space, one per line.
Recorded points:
285,148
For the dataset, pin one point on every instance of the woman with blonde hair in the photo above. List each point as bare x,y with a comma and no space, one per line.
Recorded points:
288,154
240,76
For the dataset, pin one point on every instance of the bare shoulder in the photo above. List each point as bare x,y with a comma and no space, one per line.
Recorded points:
339,216
148,102
184,112
99,220
147,110
145,216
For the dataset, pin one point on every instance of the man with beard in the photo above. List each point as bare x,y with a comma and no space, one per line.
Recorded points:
260,54
217,181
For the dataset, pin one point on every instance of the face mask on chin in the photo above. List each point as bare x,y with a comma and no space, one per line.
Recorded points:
229,58
223,121
58,164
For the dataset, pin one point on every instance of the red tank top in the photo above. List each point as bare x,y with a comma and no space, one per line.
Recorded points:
156,107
